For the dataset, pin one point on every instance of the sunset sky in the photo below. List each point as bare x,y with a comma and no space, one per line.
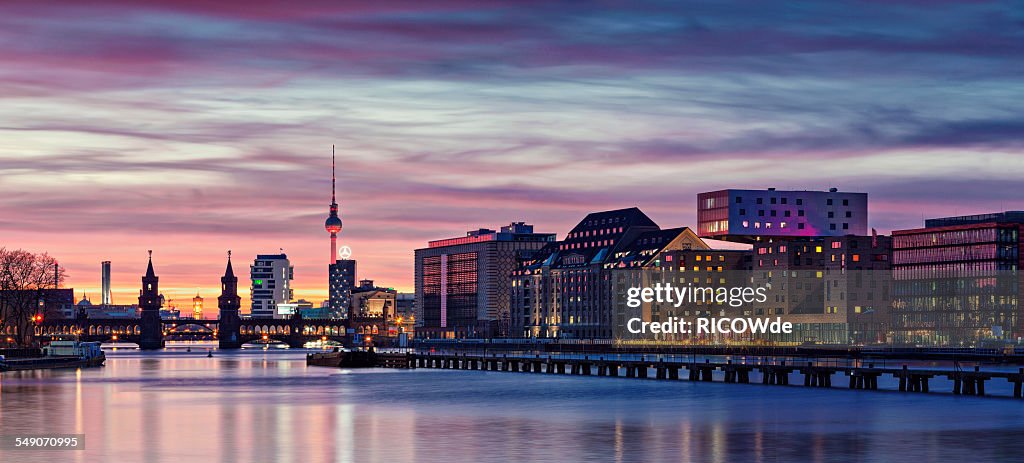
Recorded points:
195,127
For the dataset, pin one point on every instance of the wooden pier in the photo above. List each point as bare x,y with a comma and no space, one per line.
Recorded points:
965,382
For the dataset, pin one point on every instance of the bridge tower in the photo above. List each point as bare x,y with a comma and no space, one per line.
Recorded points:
151,336
228,302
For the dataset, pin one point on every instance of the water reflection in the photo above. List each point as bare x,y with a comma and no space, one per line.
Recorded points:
254,406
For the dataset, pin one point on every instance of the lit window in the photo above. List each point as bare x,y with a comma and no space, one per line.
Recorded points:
817,249
856,257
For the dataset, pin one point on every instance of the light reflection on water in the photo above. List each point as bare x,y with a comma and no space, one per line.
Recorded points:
268,406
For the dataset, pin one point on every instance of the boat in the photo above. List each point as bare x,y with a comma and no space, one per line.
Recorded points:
89,353
59,353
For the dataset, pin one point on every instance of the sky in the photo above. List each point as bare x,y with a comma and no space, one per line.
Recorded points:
191,127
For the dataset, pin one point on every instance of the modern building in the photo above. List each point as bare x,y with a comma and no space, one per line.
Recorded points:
271,276
835,290
754,215
957,281
105,297
341,283
463,284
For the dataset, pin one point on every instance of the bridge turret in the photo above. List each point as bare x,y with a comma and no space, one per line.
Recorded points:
228,303
151,334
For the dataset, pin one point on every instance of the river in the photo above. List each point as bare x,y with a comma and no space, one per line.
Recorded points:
266,405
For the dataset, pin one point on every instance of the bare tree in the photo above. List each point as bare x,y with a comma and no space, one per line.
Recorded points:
24,279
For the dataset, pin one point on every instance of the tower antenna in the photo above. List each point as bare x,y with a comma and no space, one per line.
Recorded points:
332,175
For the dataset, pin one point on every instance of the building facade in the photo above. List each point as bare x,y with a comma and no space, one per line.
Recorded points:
105,296
957,281
342,282
574,288
463,284
754,215
835,290
271,276
197,307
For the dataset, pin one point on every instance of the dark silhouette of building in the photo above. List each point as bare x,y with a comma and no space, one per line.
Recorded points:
151,336
229,304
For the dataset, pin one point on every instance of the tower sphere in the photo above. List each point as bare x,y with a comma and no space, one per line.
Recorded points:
333,224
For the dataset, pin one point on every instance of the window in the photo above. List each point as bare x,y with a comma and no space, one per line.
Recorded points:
773,200
760,213
800,226
856,257
831,226
783,200
760,200
837,244
787,213
846,202
800,213
799,202
829,201
743,212
774,212
831,214
739,200
817,249
846,226
849,214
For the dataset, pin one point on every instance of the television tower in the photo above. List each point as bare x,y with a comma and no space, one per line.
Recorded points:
333,223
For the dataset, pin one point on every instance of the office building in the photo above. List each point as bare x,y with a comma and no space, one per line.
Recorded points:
755,215
271,276
957,281
342,281
463,284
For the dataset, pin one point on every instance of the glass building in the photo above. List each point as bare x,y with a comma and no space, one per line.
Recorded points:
957,281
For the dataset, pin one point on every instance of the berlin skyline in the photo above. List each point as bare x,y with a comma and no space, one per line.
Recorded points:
191,129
